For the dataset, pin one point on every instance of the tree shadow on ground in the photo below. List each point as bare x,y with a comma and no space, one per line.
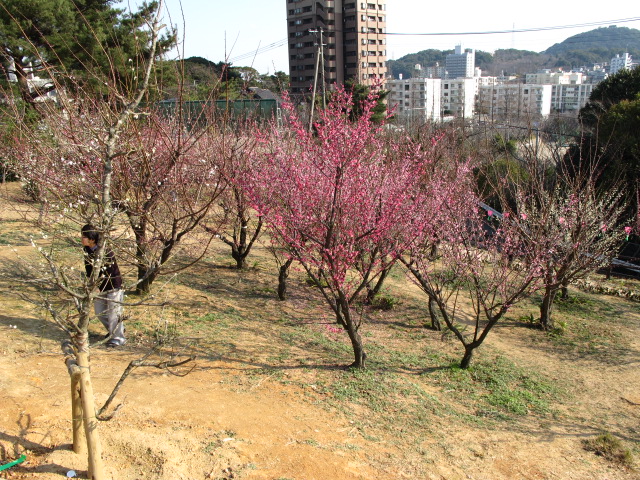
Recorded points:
32,449
32,326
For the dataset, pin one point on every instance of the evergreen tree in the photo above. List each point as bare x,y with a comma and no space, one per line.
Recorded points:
87,40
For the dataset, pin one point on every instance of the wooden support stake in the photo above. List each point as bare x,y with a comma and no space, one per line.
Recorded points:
94,450
79,440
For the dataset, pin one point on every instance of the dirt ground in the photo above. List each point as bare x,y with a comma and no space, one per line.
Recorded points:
225,421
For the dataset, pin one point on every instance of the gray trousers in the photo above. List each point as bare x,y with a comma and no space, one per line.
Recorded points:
108,308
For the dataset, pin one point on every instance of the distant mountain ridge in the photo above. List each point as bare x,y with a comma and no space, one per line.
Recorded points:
583,49
610,39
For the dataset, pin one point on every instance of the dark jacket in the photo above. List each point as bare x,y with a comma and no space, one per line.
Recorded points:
109,277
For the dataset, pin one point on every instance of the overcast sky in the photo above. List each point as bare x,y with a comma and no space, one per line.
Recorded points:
236,29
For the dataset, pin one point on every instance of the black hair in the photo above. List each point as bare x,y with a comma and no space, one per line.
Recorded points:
90,232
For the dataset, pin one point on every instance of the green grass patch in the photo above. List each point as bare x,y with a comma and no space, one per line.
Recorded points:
498,388
585,306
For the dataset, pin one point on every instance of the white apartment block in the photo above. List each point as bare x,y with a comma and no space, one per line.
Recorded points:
548,77
415,99
459,97
618,63
515,100
429,72
570,98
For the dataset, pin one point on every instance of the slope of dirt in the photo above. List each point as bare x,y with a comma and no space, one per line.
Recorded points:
257,404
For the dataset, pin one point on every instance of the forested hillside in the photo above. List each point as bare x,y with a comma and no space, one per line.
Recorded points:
583,49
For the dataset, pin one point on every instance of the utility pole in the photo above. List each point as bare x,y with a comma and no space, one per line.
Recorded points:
315,82
319,56
324,93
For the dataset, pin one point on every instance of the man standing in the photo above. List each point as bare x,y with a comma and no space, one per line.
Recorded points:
108,305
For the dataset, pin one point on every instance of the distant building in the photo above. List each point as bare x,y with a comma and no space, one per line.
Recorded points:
459,97
618,63
570,98
353,37
515,100
430,72
548,77
461,64
415,99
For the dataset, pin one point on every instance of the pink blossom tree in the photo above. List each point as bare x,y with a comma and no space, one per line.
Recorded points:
577,225
335,202
480,268
234,221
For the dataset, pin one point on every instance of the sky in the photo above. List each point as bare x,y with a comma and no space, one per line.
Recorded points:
236,29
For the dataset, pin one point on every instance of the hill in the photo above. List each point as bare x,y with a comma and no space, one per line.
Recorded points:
612,39
268,398
594,46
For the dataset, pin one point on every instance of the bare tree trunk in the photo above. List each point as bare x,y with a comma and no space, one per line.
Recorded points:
372,292
468,354
138,225
546,321
434,314
282,279
345,318
240,257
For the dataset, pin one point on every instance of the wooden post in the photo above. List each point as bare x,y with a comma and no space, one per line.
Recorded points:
76,413
95,467
76,397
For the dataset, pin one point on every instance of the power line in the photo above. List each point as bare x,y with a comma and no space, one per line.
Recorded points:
258,51
282,42
524,30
